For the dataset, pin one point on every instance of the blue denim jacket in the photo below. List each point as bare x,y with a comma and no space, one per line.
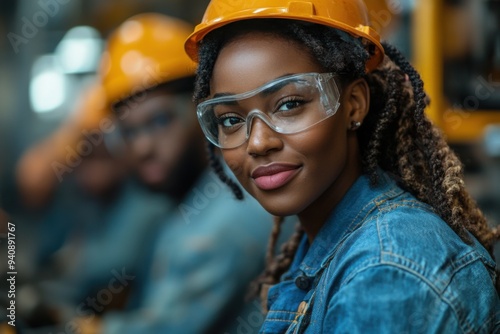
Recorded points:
384,262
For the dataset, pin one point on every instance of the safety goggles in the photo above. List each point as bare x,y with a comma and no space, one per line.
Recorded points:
287,105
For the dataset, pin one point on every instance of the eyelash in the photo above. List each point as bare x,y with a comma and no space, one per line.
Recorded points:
296,99
222,118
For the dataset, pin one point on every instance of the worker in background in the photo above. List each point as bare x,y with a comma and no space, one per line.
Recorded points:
89,210
210,245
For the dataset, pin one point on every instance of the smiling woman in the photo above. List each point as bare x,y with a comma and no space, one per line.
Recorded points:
310,157
325,127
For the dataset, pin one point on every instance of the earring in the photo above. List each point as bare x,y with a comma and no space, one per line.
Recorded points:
355,125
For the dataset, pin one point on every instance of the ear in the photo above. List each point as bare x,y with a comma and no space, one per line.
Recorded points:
356,103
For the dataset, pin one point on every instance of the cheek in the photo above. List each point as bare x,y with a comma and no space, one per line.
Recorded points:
331,146
171,143
235,160
324,150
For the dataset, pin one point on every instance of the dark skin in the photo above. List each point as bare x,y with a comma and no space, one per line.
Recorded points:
164,141
100,174
326,155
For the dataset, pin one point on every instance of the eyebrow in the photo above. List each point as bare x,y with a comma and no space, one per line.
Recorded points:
267,91
222,95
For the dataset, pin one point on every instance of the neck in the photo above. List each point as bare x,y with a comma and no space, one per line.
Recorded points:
315,215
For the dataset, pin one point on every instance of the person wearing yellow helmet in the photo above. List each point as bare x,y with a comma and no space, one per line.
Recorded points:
193,279
148,79
317,118
87,206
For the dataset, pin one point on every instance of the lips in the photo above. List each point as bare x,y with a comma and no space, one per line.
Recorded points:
274,176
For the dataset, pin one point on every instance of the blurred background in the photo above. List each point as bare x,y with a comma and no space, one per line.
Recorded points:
48,54
50,51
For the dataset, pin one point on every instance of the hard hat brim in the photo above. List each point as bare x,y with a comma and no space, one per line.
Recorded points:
191,45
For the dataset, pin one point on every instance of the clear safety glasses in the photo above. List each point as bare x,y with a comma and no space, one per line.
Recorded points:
287,105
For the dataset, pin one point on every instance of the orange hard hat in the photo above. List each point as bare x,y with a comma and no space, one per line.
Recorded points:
144,51
350,16
91,108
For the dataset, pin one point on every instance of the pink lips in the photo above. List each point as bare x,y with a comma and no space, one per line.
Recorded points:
274,175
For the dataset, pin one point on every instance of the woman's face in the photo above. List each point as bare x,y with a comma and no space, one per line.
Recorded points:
301,173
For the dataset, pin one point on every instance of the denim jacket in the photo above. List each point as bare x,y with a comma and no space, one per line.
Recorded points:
384,262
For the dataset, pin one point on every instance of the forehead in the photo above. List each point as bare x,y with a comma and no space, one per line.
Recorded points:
253,59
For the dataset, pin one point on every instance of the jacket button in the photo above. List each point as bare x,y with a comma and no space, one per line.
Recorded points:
302,282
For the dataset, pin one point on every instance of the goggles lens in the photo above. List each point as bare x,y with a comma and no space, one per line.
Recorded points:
287,105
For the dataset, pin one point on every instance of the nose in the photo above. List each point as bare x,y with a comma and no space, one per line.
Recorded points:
262,140
142,145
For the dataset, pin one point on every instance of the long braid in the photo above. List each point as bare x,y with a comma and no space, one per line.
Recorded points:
275,233
256,285
377,138
276,265
377,123
219,170
453,203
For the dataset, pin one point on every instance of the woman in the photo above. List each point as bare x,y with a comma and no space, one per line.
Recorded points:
315,122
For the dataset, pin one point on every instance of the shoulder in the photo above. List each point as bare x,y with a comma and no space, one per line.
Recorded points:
406,253
139,203
412,236
211,215
215,211
386,299
407,234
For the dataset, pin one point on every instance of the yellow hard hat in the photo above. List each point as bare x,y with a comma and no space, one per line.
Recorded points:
143,52
350,16
91,108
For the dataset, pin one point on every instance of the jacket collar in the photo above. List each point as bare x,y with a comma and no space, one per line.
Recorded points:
359,201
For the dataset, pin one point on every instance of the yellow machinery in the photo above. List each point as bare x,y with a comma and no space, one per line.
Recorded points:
456,47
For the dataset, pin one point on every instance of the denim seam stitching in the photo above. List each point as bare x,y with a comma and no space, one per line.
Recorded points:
375,203
441,297
288,312
491,320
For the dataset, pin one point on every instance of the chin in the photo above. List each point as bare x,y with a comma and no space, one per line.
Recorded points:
280,208
275,202
156,186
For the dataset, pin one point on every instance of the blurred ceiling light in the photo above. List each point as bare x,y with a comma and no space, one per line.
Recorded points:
47,85
492,140
80,50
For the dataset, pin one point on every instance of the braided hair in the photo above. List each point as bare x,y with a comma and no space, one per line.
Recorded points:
396,135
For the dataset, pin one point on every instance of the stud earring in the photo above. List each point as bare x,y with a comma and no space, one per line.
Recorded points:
355,125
